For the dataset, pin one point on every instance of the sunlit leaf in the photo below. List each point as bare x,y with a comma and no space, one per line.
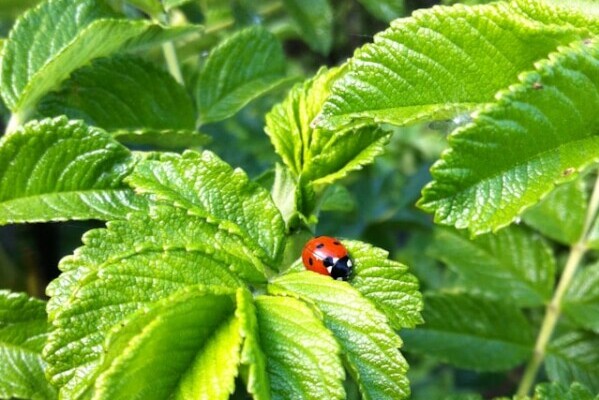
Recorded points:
55,170
540,133
23,331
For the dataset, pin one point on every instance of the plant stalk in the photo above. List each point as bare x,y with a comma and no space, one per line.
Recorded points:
553,309
16,120
170,54
172,63
265,11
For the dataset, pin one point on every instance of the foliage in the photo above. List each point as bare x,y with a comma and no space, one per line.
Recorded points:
192,285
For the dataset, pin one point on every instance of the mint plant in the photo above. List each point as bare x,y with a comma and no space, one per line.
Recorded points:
194,287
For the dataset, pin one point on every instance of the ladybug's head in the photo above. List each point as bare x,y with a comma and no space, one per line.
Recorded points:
342,269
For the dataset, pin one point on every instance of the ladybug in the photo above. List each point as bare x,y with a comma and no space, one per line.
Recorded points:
327,256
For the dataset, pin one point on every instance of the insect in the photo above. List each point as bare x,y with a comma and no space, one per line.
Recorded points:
327,256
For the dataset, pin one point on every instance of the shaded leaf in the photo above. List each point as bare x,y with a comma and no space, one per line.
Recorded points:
123,93
151,7
315,21
170,4
385,10
512,265
163,139
239,69
425,67
12,8
302,355
23,332
574,357
581,302
561,214
55,170
285,194
472,333
516,150
207,186
338,198
369,345
555,391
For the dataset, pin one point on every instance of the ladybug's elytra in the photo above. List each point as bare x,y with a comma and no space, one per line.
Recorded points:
327,256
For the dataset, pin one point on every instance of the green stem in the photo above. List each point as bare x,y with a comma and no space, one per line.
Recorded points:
265,11
15,121
172,62
170,54
553,310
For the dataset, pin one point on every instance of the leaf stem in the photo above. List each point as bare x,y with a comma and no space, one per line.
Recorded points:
170,55
553,309
16,120
172,63
227,23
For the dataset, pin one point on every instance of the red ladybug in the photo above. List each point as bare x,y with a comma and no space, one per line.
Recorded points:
327,256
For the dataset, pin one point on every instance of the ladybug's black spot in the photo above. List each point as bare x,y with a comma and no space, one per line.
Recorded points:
320,245
310,261
336,243
328,262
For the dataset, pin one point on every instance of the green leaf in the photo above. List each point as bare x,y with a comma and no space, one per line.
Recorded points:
241,68
540,133
512,265
200,381
170,4
314,19
593,235
317,155
581,302
471,332
163,139
369,345
145,350
386,10
285,195
12,8
302,356
386,283
574,357
73,34
561,214
129,266
207,186
55,169
555,391
425,67
338,198
123,93
253,360
151,7
23,332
